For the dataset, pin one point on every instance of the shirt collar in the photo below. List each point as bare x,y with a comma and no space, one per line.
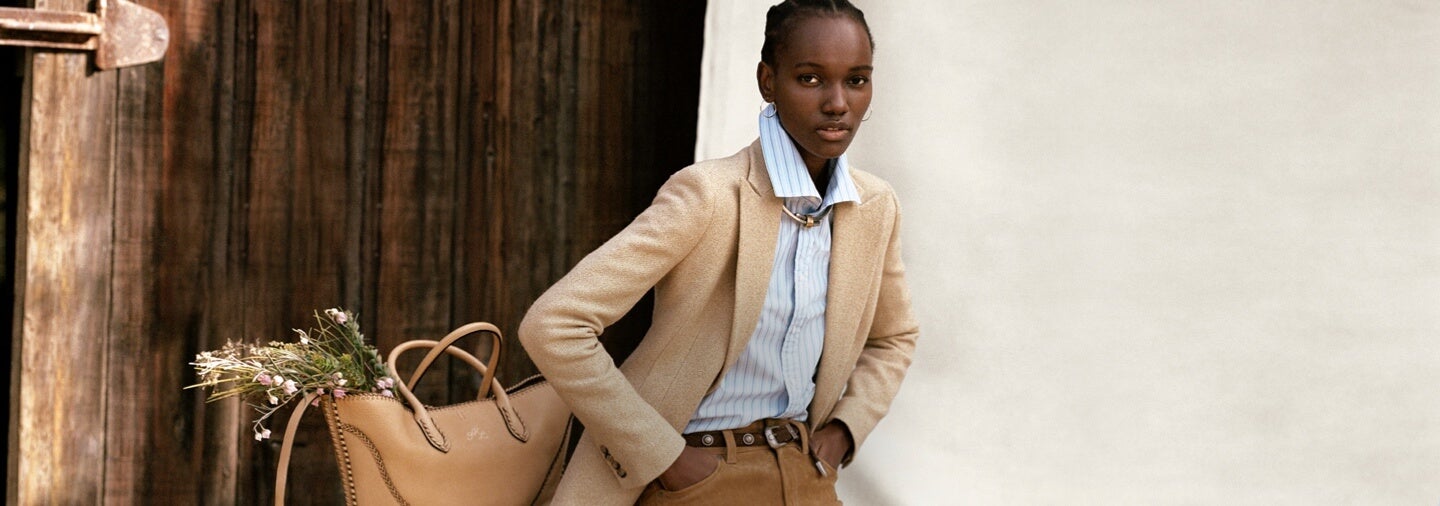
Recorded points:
787,171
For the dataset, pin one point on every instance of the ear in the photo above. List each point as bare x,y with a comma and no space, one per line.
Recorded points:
765,78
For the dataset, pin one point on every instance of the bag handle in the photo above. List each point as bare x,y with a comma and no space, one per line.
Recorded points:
284,468
432,433
455,335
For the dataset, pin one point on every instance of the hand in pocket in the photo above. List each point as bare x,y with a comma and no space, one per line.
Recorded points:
689,468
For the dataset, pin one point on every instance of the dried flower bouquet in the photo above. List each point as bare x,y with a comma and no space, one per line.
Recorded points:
329,359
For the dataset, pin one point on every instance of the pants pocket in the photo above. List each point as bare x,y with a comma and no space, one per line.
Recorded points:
703,483
655,494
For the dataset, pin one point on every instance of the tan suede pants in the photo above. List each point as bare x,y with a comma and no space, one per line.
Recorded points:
754,476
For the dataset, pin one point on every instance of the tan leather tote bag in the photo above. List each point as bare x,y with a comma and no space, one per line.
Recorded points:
504,449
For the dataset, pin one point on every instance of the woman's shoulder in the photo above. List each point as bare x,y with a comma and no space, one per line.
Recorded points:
717,172
737,163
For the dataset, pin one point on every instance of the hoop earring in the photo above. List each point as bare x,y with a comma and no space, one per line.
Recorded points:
769,110
868,112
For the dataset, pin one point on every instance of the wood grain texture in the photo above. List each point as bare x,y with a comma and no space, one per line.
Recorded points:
143,389
426,163
64,282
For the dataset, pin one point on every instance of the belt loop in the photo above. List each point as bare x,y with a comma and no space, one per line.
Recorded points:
804,436
729,445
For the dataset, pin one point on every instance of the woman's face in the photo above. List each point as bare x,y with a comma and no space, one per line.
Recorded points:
820,85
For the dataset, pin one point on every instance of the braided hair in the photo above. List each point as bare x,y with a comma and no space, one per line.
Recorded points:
782,17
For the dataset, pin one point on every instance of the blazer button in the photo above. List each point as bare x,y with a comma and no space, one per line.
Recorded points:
621,473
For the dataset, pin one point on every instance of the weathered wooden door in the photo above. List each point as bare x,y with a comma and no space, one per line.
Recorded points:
425,162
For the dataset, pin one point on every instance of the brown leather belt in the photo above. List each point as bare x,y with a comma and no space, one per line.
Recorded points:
769,432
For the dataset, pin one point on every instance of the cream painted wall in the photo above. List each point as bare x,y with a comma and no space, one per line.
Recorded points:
1162,252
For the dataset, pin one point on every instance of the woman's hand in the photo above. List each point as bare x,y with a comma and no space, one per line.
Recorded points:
831,443
689,468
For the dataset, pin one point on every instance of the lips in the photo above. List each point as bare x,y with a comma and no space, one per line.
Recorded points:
833,132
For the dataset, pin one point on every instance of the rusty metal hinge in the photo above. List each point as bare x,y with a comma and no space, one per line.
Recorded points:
120,32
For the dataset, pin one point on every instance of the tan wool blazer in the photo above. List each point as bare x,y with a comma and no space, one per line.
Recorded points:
706,245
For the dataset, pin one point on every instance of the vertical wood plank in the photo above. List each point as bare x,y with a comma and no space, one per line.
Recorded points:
417,188
202,234
141,464
319,196
530,179
265,202
482,287
354,67
64,276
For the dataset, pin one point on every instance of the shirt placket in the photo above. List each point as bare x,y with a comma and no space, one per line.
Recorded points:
792,353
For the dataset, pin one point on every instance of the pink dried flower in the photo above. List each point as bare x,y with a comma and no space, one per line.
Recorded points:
274,400
264,379
291,388
387,393
339,393
337,315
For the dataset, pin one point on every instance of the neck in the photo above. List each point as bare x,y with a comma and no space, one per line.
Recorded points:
821,176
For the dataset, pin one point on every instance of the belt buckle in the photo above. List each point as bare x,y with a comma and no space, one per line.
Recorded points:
775,442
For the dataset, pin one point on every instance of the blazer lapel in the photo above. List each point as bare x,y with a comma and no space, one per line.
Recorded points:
854,241
755,255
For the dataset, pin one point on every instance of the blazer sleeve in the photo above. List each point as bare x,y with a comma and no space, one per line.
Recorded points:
560,331
887,352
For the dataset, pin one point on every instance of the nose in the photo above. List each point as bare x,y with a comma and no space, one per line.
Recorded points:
835,103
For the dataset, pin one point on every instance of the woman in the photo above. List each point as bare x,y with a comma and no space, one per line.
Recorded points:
782,325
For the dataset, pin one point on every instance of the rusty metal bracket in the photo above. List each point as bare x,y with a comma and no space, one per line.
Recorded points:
120,32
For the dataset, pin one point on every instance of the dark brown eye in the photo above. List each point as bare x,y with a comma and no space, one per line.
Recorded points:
859,80
809,79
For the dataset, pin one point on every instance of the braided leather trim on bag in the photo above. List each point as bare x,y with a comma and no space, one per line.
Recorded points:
384,474
342,452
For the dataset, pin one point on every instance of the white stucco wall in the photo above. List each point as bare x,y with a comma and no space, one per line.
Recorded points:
1162,252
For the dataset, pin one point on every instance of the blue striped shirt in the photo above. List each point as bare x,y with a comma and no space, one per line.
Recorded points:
775,376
